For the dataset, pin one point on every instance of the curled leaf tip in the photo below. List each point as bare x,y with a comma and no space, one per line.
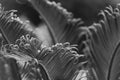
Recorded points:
28,49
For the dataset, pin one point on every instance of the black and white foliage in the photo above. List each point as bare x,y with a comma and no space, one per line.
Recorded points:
72,51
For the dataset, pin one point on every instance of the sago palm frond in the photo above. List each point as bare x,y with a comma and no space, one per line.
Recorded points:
102,45
99,43
60,22
10,25
60,61
25,52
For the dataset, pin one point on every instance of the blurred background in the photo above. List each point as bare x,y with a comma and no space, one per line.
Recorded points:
86,9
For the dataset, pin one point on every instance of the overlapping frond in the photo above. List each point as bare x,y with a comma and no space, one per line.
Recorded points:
102,45
10,25
60,61
99,43
25,52
60,22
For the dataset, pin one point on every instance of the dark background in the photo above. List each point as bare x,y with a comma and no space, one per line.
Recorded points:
86,9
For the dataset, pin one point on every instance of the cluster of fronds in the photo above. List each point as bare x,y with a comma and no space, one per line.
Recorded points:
72,51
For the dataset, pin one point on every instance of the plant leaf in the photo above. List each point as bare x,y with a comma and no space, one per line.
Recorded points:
114,73
43,72
103,38
8,69
25,52
60,22
62,62
11,26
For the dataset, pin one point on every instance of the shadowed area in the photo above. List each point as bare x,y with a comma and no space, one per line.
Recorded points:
85,9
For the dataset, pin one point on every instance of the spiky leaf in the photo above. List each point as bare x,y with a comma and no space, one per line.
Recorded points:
60,22
102,45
